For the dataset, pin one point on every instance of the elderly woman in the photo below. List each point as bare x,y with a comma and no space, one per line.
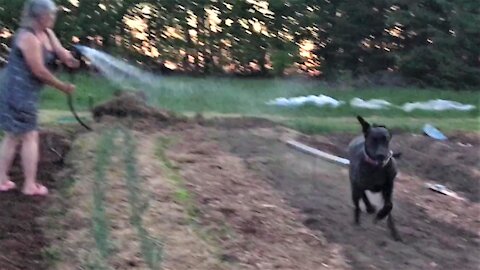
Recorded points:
34,49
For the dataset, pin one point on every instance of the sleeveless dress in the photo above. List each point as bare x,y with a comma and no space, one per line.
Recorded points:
20,92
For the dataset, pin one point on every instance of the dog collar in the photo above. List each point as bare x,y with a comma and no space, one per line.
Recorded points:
373,162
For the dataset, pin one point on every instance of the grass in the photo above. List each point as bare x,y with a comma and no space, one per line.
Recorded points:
248,96
99,221
52,255
311,125
151,248
182,195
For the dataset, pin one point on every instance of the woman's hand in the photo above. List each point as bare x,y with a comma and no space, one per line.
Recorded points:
68,88
72,62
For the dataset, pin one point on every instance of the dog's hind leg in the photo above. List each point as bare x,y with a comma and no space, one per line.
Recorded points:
393,228
356,196
370,208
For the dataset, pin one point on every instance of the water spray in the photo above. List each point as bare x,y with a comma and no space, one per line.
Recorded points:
117,71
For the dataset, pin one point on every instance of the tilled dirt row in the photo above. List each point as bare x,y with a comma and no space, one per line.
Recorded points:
138,223
251,222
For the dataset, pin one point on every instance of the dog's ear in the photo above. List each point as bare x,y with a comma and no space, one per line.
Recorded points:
365,124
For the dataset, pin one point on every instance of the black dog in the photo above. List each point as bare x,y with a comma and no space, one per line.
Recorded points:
373,168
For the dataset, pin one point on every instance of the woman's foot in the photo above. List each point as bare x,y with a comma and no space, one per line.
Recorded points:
7,186
35,190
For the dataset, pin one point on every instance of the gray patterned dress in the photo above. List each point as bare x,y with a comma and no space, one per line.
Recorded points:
20,92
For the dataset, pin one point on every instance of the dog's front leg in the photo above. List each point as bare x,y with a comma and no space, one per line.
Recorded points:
368,205
388,205
387,211
393,229
356,196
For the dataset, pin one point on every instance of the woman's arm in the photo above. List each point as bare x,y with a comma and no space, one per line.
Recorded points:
65,56
31,49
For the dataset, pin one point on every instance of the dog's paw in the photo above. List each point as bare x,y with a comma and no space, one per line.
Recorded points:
371,209
356,221
397,238
357,226
381,215
377,218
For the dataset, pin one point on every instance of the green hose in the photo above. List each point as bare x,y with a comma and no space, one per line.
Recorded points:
72,109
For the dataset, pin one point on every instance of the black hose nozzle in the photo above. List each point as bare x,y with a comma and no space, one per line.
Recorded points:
76,52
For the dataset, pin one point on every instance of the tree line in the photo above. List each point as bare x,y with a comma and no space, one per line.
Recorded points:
426,42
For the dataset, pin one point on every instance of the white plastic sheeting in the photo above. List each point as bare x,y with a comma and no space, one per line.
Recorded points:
372,104
437,105
320,101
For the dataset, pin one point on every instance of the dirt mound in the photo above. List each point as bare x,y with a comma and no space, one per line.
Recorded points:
453,162
53,147
132,106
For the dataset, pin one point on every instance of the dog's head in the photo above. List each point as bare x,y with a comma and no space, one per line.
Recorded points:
377,140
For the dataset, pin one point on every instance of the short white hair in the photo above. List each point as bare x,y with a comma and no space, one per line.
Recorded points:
33,9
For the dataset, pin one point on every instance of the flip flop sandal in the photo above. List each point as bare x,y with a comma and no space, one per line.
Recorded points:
7,186
39,191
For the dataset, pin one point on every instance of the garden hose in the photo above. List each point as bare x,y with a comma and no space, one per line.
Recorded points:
72,109
77,55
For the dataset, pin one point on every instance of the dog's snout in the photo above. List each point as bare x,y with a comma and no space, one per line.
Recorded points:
380,157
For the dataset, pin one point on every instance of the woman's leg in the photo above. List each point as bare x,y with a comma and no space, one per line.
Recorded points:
7,154
30,155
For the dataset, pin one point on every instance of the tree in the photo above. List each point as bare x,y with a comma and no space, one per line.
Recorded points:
89,19
10,14
434,42
439,41
352,37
